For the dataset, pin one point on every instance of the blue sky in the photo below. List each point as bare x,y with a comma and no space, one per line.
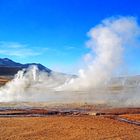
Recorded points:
54,32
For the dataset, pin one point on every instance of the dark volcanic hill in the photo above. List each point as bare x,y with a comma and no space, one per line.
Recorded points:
10,68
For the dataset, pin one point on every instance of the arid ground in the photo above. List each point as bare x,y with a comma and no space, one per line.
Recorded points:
64,125
3,80
66,128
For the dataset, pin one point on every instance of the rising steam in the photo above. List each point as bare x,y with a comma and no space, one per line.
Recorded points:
108,42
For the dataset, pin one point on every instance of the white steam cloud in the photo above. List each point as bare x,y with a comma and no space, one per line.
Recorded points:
94,84
107,42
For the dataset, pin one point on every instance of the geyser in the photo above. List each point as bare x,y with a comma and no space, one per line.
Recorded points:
108,42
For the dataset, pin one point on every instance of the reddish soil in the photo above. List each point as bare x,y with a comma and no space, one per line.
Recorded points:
69,125
3,81
133,117
66,128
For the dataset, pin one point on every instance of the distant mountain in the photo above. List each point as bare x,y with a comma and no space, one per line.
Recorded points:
9,67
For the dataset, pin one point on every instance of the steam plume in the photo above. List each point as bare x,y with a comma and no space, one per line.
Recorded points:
108,42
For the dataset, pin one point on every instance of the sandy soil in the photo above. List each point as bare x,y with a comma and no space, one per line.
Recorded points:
133,117
3,80
66,128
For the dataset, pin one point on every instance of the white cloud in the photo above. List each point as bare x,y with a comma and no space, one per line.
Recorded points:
18,49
